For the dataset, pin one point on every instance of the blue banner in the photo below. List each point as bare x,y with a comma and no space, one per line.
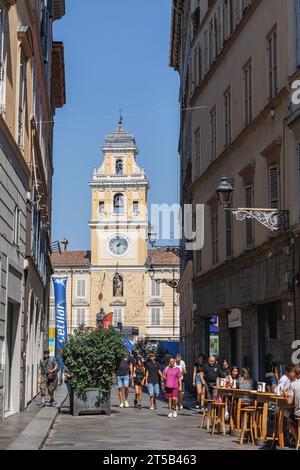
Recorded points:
60,284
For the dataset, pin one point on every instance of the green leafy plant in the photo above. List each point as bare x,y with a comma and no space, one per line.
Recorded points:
91,358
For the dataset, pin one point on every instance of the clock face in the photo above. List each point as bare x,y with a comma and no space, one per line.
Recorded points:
118,245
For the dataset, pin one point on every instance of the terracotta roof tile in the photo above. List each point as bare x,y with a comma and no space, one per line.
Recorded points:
83,258
71,258
161,257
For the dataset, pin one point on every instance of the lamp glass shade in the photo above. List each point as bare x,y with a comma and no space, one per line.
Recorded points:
225,191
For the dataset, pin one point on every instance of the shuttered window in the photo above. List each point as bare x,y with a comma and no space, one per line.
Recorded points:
227,115
228,235
213,134
200,72
16,231
249,202
117,316
214,238
81,288
247,76
195,82
273,63
225,20
197,151
211,43
21,105
155,316
80,316
198,261
155,288
2,55
274,187
298,167
206,51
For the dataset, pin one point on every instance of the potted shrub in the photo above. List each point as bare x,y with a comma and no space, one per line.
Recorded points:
91,358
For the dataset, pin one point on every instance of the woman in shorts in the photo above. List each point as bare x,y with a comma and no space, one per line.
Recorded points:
173,384
139,375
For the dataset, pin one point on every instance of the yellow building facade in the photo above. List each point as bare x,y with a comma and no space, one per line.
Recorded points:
112,276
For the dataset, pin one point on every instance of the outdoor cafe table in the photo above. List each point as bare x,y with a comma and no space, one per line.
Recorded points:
265,399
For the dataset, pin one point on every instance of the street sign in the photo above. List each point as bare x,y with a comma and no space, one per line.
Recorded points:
129,330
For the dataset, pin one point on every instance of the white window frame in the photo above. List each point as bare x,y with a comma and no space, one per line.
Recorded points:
118,315
155,289
101,210
82,312
81,291
158,310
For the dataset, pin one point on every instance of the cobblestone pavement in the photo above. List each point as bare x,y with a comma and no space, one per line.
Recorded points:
139,429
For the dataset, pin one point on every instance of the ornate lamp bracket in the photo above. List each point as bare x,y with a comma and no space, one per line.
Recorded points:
274,219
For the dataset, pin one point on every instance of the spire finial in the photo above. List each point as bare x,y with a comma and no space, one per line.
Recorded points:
120,119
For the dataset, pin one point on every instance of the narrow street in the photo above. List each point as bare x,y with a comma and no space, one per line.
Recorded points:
136,429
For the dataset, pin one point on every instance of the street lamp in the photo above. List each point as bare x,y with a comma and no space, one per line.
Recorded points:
150,268
225,192
152,235
273,219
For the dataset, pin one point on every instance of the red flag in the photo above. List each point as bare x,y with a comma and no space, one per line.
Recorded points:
107,320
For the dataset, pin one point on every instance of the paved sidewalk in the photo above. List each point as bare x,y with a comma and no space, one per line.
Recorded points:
29,429
129,429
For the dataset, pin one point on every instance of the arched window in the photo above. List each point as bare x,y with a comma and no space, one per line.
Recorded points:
119,167
118,203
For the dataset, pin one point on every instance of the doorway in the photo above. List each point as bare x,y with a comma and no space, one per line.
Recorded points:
12,360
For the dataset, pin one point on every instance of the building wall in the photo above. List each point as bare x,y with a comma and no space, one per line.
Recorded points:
257,278
28,98
135,303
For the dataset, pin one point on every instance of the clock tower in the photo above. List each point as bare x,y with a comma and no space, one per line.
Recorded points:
119,224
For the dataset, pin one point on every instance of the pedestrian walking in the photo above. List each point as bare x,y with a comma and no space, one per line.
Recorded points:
153,375
173,385
48,377
200,389
182,367
139,378
124,374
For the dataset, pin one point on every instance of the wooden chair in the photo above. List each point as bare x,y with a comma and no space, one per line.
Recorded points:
206,416
218,416
248,423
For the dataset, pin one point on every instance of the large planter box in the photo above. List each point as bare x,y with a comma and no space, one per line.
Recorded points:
93,405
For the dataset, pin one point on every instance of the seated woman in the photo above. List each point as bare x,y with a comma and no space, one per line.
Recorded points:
225,370
245,382
234,377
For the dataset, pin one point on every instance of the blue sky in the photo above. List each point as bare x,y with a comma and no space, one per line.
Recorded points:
116,55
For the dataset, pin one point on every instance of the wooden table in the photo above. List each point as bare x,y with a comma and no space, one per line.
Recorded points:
237,394
265,399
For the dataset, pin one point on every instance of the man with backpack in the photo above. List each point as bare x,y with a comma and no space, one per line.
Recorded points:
48,378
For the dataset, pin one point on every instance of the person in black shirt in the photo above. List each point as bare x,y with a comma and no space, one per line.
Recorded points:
153,374
124,370
197,381
210,375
